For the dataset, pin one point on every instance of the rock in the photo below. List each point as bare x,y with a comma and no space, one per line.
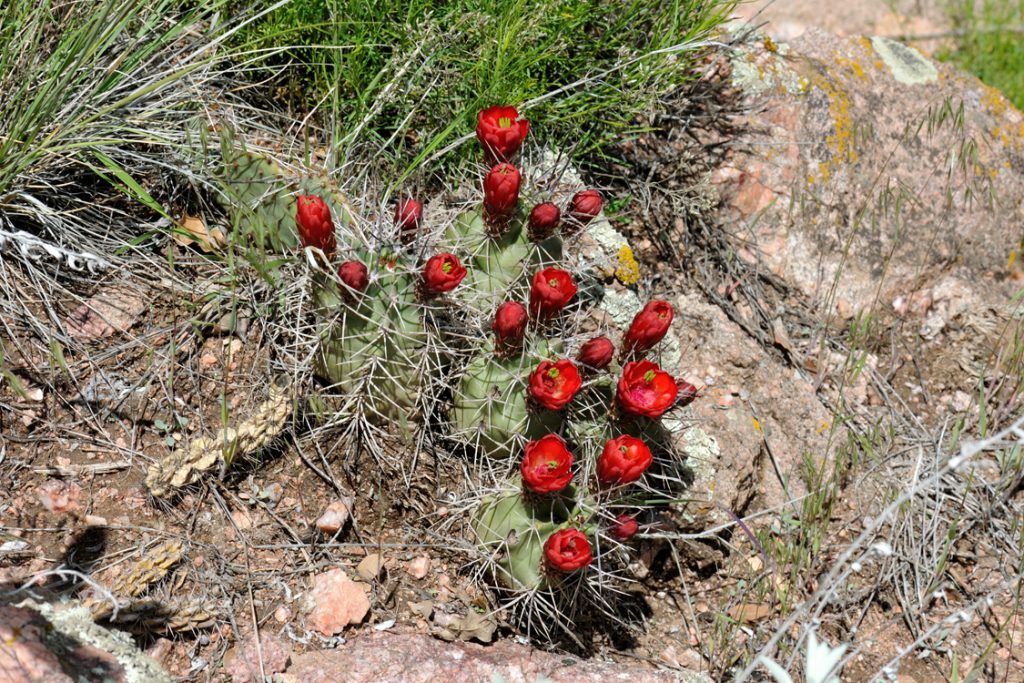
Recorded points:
242,663
60,497
43,642
335,516
338,601
369,567
416,658
113,309
418,568
915,174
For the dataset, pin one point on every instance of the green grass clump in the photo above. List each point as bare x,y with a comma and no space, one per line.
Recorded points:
992,47
407,77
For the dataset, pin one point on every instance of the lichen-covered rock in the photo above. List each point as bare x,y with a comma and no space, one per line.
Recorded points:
59,643
869,171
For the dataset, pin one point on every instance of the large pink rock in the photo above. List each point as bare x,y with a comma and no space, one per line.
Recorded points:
338,601
867,172
416,658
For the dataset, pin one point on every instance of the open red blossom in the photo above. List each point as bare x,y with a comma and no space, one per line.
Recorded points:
316,229
510,322
354,274
543,221
597,353
546,465
625,527
408,216
553,384
551,290
501,189
646,389
648,327
623,460
568,550
443,273
501,131
585,206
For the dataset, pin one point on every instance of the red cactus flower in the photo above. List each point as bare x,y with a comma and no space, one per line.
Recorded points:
510,322
354,274
501,131
551,290
568,550
623,460
501,189
597,353
585,206
648,327
443,273
553,385
543,221
316,229
625,528
546,465
408,216
646,389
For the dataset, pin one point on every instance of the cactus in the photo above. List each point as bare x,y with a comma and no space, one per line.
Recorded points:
374,346
490,411
512,529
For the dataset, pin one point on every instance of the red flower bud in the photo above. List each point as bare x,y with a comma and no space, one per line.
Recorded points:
625,528
554,384
543,222
623,460
354,274
585,206
510,322
597,353
546,465
687,392
645,389
568,550
648,327
501,131
408,215
443,273
501,189
316,229
551,290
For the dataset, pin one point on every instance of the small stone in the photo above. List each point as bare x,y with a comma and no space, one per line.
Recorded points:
418,568
338,601
95,520
369,567
335,516
60,496
208,360
282,614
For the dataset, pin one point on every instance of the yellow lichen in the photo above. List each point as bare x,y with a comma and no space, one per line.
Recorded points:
993,99
841,141
628,270
852,65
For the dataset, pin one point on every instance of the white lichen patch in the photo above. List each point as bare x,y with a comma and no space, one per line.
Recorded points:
907,65
622,305
702,450
76,624
758,74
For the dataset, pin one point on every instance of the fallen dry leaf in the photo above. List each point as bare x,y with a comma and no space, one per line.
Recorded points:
750,612
199,233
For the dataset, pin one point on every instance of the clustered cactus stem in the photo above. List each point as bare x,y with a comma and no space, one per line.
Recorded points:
568,438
